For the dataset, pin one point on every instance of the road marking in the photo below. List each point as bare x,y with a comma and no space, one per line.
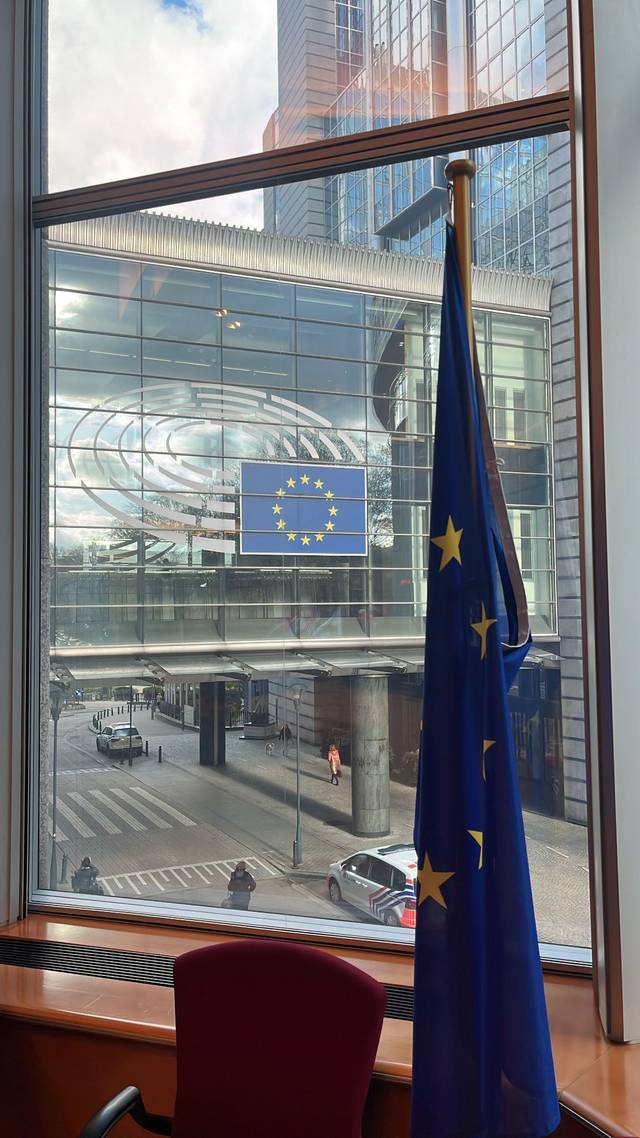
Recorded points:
76,822
101,769
157,802
144,810
105,822
117,809
221,867
183,876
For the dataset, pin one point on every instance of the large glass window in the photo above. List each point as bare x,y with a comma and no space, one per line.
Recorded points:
260,74
241,428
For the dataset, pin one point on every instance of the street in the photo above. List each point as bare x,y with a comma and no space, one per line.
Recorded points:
174,830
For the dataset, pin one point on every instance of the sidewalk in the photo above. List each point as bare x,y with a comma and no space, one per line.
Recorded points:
270,780
555,847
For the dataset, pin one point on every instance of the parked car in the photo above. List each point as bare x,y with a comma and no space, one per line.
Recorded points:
114,741
379,882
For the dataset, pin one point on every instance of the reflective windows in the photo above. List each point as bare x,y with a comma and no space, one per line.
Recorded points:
166,380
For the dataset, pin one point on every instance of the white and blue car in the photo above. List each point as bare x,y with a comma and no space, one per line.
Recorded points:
379,882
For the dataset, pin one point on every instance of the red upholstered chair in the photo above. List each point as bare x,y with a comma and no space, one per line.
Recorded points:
274,1040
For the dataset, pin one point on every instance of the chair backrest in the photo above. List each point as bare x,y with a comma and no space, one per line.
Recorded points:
274,1040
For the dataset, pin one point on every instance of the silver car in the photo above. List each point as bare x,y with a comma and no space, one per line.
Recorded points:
114,741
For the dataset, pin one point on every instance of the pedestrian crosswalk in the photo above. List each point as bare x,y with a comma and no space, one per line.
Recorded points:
168,878
115,810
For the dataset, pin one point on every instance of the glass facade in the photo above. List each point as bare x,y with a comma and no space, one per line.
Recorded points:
403,206
205,357
165,380
238,481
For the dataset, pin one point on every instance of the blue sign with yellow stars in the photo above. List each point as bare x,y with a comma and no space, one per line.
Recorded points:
303,509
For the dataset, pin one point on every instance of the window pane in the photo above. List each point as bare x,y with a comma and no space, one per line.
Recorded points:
318,404
254,76
168,321
180,286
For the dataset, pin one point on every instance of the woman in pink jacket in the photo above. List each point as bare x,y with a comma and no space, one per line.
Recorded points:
333,758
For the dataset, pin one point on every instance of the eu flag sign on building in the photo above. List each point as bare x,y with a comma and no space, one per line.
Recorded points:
482,1065
303,509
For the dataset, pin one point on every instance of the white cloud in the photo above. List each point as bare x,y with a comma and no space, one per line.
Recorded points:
138,86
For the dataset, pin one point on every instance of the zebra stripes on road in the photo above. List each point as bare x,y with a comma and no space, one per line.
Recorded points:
171,877
112,811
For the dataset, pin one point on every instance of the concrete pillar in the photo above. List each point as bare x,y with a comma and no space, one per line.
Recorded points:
212,736
370,756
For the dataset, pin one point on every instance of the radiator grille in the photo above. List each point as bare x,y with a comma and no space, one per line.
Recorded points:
139,967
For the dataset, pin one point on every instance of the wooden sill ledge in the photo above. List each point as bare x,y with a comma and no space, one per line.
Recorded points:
599,1081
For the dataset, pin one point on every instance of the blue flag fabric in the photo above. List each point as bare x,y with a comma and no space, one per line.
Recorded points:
482,1065
303,509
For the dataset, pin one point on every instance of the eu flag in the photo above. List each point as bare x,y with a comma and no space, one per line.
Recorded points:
303,509
482,1065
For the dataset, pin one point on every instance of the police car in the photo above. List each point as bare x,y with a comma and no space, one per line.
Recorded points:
379,882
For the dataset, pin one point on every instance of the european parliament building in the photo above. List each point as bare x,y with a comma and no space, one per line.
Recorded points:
205,383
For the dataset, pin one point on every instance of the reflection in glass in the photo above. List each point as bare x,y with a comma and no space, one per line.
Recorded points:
147,584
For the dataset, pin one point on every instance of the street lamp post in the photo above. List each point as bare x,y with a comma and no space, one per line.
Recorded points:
57,695
130,724
296,695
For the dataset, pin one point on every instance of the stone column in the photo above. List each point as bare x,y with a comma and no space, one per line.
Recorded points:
212,737
370,756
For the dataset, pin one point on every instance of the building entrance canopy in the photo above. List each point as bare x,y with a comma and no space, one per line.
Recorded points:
207,666
101,671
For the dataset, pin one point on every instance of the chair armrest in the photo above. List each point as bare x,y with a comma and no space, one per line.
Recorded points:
128,1101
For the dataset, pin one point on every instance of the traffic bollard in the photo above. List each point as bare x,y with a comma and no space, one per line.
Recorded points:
146,746
160,754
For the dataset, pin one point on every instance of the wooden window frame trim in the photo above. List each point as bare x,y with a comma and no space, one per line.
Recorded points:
483,126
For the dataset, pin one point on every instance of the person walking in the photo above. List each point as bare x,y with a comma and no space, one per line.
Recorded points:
333,758
241,886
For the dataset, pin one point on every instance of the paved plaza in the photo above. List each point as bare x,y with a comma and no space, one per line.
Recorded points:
173,830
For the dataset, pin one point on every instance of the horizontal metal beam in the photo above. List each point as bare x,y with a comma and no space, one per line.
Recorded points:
448,134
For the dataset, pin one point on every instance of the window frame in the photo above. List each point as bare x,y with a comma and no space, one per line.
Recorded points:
501,123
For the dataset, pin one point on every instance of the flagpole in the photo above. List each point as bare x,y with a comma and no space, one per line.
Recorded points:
459,173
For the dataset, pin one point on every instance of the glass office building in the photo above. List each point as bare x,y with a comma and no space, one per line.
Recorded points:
425,59
167,382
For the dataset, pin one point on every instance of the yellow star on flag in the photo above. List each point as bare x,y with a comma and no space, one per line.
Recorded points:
478,837
291,536
482,628
280,493
318,483
319,537
486,744
306,540
277,509
305,479
329,525
281,524
449,543
430,882
333,511
329,494
291,482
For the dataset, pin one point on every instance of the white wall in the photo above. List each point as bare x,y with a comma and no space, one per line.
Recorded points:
617,50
